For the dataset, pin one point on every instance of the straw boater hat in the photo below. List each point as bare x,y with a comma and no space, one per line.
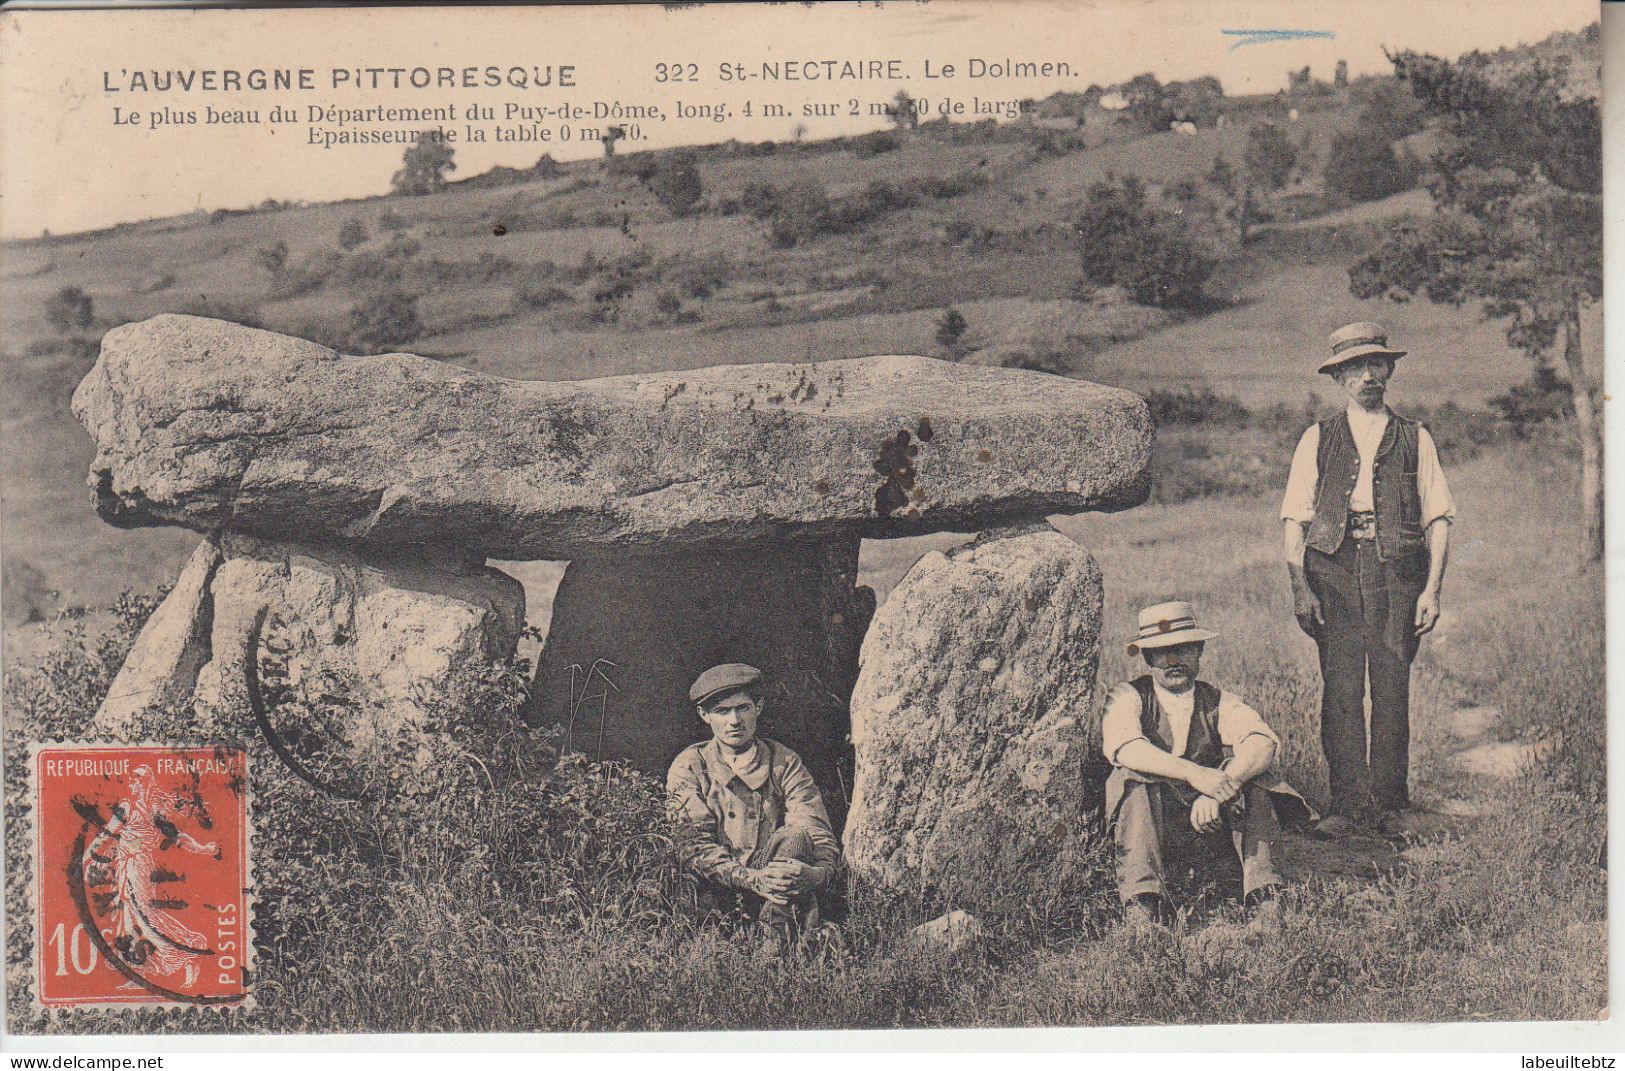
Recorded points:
1363,339
1168,624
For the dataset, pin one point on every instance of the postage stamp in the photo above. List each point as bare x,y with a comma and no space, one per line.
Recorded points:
141,875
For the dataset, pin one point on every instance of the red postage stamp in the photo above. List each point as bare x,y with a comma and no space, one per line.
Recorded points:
142,875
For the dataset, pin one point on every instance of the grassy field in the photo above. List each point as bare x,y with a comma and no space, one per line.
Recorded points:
512,279
551,909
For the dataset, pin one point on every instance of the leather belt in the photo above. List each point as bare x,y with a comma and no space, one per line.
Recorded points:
1363,525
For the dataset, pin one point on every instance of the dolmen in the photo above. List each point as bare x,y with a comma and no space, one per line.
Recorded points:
350,507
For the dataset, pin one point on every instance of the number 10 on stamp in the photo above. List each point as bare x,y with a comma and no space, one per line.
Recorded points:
141,875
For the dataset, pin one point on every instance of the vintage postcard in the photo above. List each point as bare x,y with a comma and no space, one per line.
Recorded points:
542,520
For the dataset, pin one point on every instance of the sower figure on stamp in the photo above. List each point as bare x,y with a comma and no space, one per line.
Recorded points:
1190,764
753,821
1367,519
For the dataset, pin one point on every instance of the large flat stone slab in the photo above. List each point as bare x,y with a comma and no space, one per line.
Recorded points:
210,425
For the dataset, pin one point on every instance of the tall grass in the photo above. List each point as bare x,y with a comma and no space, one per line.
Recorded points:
533,896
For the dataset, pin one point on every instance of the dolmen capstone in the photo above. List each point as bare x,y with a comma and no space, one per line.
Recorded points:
350,506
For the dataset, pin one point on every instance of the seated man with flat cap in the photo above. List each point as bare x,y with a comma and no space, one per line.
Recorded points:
1191,764
754,825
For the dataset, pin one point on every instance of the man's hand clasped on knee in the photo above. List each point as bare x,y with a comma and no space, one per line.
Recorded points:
1216,784
1205,814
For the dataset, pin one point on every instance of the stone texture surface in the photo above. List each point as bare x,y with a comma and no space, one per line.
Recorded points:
356,658
212,426
630,634
162,666
950,934
975,685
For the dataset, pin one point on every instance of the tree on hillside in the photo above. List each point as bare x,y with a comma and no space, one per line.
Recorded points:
1517,224
1270,154
69,308
610,137
1363,167
1387,109
424,165
1148,251
1147,103
1199,101
676,184
901,111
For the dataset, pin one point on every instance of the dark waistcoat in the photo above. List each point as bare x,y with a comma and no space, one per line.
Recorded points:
1394,491
1202,745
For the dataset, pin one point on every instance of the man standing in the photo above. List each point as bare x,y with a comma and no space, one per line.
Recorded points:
753,821
1367,519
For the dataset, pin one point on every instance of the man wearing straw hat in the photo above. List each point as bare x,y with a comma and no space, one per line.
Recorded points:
1367,534
1188,758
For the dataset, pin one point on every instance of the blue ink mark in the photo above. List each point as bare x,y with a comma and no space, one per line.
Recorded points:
1261,37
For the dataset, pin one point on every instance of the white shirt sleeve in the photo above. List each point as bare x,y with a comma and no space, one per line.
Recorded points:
1299,503
1430,483
1120,723
1238,721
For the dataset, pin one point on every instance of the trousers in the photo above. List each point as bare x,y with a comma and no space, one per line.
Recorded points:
1369,609
1154,820
787,842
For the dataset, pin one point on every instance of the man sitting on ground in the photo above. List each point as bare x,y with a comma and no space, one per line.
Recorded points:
1190,762
754,825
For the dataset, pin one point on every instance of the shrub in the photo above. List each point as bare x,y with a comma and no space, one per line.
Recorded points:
390,220
352,234
803,212
950,328
698,275
1545,399
1150,253
540,294
676,184
311,273
1363,167
69,309
1195,406
881,141
273,258
668,304
760,199
1389,109
382,322
1270,155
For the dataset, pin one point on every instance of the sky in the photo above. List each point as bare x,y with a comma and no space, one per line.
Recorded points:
70,162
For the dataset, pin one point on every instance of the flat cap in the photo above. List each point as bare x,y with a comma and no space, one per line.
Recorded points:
728,677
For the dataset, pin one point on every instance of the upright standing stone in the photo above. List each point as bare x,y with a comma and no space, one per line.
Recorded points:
976,683
354,660
162,667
